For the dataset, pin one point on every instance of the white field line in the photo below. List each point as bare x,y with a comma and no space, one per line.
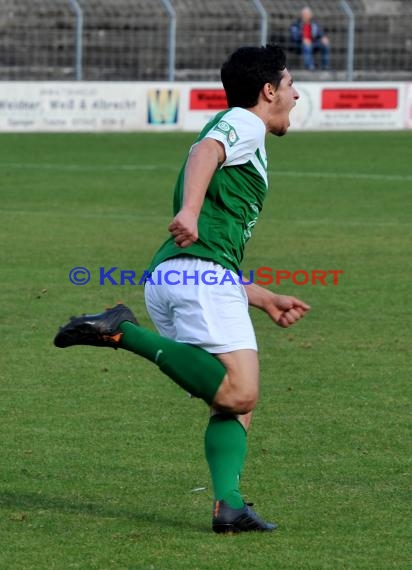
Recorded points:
165,220
163,167
84,167
345,175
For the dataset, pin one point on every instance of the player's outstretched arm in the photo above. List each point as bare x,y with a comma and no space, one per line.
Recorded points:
204,158
284,310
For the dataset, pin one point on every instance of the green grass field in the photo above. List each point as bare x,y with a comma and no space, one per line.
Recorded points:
100,453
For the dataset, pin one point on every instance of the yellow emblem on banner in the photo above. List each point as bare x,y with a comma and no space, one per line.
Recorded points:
162,106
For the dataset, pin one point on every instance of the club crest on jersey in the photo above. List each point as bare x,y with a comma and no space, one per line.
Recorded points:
228,131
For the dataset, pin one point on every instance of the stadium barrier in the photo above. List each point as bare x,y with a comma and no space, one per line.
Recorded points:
164,106
187,40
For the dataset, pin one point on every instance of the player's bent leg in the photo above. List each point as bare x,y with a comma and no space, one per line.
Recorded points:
239,391
215,318
192,368
229,381
245,420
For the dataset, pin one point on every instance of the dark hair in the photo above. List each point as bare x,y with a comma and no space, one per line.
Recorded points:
248,69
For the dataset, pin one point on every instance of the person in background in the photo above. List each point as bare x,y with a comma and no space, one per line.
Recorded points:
308,37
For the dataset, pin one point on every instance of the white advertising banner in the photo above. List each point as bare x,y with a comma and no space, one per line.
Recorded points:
408,110
349,106
163,106
322,106
58,106
204,100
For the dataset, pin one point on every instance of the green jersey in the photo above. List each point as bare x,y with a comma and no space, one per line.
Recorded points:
235,195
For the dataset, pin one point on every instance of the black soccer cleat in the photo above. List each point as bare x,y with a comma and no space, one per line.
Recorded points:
225,519
95,330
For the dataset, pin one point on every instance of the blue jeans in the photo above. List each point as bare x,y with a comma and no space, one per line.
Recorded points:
308,51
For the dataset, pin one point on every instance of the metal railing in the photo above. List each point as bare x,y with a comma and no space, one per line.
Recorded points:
350,50
79,39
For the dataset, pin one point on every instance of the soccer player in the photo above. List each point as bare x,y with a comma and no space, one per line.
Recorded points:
207,343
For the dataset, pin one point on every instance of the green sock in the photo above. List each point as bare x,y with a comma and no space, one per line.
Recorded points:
225,447
191,367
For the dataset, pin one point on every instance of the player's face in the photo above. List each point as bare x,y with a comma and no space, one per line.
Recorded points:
284,101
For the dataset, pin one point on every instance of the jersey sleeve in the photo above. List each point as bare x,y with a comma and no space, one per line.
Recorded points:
241,133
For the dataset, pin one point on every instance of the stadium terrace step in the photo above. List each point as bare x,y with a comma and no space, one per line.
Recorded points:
129,39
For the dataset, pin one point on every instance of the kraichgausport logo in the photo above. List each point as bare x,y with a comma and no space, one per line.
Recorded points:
263,276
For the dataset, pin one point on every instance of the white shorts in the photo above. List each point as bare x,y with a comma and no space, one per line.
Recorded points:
214,317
